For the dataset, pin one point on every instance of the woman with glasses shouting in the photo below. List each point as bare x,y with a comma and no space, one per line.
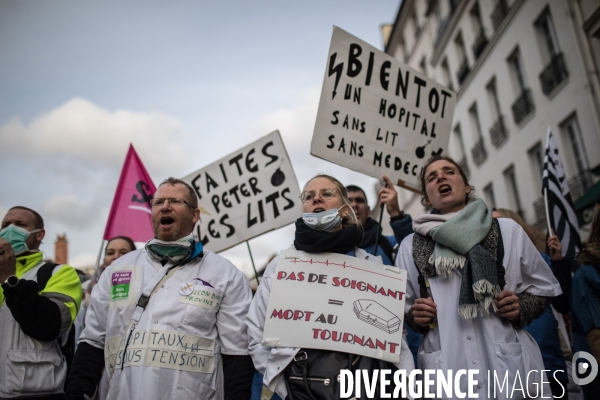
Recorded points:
328,225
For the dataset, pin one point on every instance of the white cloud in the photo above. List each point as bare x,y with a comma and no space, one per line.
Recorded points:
83,260
70,210
84,131
3,211
295,124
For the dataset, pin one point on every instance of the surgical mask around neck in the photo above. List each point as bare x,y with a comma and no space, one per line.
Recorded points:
176,251
17,237
327,221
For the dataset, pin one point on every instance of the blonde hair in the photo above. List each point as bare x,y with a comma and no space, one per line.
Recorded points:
348,219
535,235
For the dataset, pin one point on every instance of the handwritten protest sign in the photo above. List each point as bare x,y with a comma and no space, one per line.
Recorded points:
162,349
247,193
377,115
336,302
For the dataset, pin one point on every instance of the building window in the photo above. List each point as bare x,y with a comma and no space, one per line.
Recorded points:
404,49
441,23
439,18
498,131
582,181
555,70
516,65
415,17
546,27
447,76
523,106
500,12
513,191
493,98
463,69
478,151
488,193
475,120
461,148
480,37
536,159
423,66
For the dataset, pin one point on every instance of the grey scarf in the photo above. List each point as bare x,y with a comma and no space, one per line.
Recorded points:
466,240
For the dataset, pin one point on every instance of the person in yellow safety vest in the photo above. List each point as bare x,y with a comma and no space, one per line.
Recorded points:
33,323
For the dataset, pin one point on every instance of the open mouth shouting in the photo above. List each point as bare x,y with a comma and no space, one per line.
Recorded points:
166,222
444,189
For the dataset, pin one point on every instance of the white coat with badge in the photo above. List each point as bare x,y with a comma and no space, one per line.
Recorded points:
489,343
175,350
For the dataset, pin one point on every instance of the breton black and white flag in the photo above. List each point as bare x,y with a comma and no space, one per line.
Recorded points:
560,205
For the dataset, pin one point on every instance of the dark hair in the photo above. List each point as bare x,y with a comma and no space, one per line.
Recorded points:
193,200
354,188
470,195
125,238
38,221
594,235
350,218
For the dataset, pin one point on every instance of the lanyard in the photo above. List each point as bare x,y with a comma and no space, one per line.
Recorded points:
143,301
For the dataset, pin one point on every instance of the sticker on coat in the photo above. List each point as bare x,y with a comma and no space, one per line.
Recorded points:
120,283
203,297
186,288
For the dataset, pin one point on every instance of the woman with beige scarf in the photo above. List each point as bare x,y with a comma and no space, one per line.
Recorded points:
474,283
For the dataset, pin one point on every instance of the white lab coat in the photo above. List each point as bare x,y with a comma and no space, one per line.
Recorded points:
175,351
271,361
487,343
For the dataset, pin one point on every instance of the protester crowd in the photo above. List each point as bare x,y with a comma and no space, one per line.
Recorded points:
173,320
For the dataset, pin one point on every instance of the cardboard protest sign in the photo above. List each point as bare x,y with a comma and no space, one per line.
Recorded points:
336,302
377,115
245,194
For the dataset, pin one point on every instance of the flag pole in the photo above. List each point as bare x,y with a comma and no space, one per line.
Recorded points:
547,211
377,237
252,259
100,253
380,219
546,189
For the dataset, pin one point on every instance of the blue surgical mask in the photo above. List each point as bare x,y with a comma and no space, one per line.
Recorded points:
327,221
17,238
176,251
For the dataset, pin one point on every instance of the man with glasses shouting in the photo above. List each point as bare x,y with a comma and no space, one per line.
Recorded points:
167,321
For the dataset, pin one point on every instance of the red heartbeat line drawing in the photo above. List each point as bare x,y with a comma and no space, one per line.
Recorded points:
344,265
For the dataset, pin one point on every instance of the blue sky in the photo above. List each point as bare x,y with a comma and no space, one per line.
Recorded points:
187,82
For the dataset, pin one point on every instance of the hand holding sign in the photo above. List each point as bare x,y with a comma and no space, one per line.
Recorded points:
389,196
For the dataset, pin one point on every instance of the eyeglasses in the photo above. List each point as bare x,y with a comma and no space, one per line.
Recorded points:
172,201
324,194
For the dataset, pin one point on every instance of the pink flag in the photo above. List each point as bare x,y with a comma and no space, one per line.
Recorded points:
130,214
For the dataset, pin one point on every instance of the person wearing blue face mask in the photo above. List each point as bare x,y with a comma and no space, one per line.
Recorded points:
328,225
32,320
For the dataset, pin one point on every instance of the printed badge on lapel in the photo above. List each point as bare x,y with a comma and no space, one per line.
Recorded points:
203,296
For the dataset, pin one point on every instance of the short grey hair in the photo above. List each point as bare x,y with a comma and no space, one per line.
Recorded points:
193,200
